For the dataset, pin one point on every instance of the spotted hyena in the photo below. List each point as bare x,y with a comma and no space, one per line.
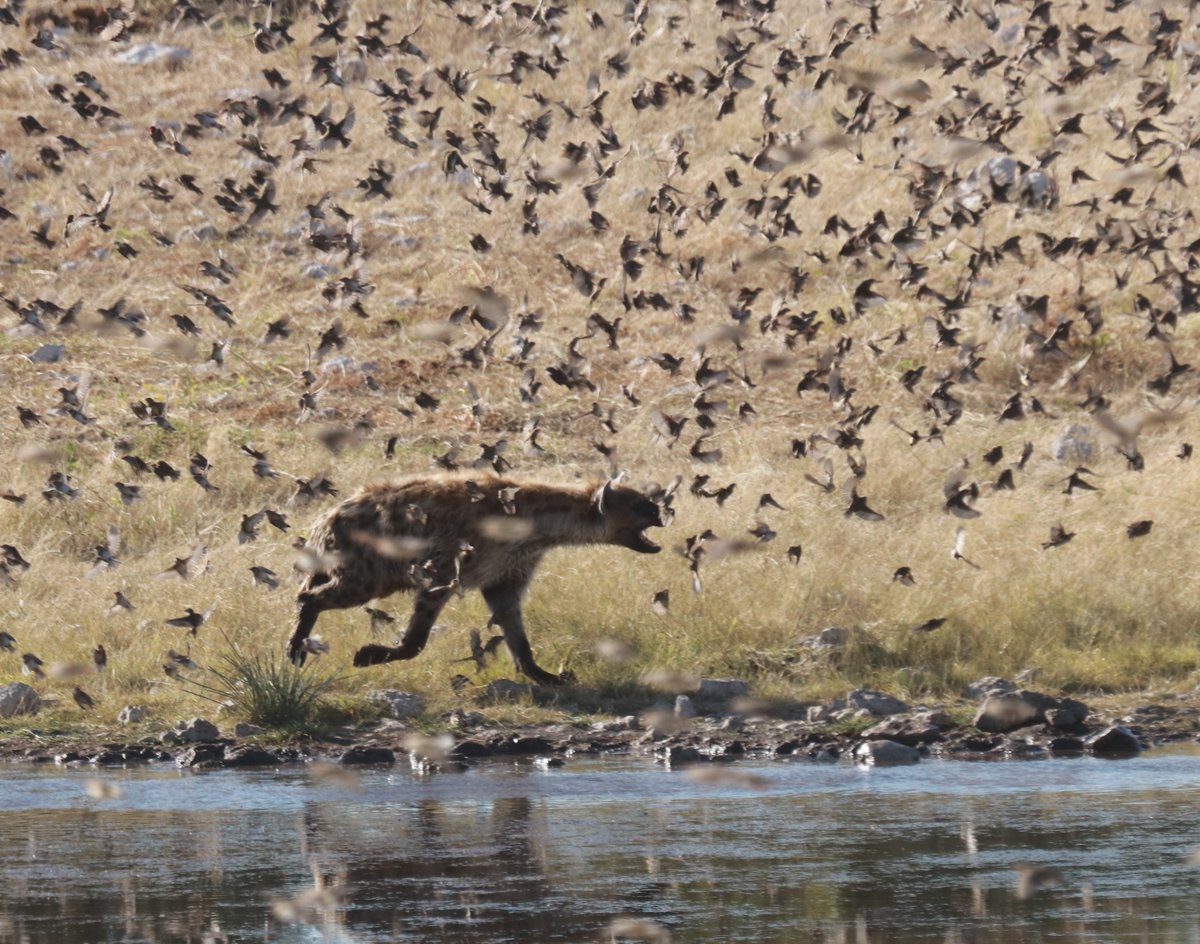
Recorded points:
442,535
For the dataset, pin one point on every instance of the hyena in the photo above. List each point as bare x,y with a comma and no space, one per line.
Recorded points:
436,536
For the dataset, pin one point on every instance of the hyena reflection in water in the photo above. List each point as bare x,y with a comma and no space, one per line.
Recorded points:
437,536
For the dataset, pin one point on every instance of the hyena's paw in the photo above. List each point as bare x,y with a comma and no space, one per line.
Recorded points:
374,654
296,653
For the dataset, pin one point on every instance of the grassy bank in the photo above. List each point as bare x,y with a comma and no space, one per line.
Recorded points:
784,251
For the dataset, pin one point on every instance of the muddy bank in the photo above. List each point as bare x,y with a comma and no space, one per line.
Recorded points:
469,738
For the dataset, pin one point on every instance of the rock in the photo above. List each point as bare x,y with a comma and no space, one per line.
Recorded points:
910,731
684,708
398,705
466,719
507,690
317,270
244,729
820,714
988,685
1114,741
202,234
1075,444
202,756
832,637
47,354
17,698
732,723
527,744
884,753
877,703
368,755
1066,745
548,763
937,717
142,53
678,754
1001,714
472,748
721,689
132,714
250,755
196,731
1069,714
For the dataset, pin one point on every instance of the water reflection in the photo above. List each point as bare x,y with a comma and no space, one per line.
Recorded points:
1069,850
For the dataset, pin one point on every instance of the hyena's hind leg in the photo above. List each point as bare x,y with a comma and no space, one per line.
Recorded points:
426,608
504,601
319,593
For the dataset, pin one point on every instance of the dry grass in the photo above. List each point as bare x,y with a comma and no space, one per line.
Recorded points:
1101,612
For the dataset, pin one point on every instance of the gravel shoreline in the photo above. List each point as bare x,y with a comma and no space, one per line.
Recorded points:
673,742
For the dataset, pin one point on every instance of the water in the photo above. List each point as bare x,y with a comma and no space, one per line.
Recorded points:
509,852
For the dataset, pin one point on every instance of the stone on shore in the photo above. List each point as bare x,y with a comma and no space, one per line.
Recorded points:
910,730
17,698
196,731
988,685
877,703
885,753
1000,714
132,714
1113,742
398,705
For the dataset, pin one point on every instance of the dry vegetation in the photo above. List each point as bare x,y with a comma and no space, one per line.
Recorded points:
565,229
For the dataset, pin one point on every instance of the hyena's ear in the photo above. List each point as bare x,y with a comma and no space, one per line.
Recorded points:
601,496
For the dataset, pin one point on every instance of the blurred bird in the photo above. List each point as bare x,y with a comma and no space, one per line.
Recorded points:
481,650
83,699
191,620
32,665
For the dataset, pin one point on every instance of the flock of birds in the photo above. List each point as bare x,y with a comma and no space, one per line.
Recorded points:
982,196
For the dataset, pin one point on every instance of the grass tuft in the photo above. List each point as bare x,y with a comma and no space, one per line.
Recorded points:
268,690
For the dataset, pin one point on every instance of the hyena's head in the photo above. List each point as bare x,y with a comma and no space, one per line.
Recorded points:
625,513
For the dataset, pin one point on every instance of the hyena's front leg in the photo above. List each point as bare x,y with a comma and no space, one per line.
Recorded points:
504,601
425,613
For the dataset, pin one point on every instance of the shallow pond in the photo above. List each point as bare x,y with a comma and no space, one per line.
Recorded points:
511,852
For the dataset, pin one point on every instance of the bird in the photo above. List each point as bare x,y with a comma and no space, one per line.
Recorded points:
481,650
380,620
856,505
83,699
32,665
100,658
904,577
661,602
120,602
191,620
8,642
264,577
105,554
1139,529
1058,537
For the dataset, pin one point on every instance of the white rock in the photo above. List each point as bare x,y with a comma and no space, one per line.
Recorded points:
877,703
398,705
141,53
132,714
